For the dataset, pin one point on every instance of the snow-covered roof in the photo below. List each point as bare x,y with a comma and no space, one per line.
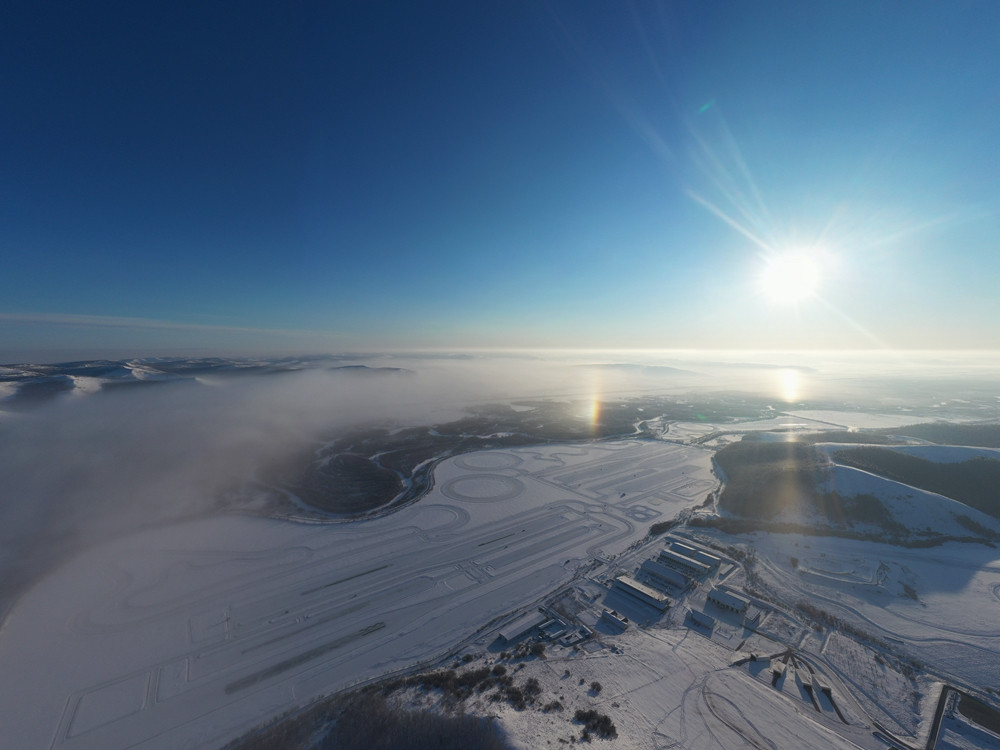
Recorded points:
522,625
729,599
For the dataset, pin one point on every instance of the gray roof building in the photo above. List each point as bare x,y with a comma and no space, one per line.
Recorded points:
643,593
729,600
687,565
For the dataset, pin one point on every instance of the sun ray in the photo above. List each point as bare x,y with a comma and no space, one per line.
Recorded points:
730,221
853,323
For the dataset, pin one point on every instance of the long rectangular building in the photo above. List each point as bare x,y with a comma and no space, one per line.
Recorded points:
712,561
703,619
615,619
686,565
681,548
729,600
645,594
521,626
660,575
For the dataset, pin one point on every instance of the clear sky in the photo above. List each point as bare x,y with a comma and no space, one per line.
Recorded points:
248,177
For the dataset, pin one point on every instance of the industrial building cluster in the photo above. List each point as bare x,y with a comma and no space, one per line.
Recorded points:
548,625
682,569
683,565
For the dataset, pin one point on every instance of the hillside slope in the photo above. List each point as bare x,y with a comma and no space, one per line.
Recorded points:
865,492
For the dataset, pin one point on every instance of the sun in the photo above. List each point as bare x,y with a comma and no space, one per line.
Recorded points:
791,278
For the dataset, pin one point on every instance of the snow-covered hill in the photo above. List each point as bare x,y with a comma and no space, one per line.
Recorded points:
918,510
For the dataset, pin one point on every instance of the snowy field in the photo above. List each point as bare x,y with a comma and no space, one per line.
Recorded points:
853,420
676,684
680,431
665,688
780,422
185,635
941,605
919,510
693,431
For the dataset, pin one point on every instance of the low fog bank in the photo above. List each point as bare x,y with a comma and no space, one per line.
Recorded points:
86,466
89,465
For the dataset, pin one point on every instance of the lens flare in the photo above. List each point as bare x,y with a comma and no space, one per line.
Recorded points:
594,413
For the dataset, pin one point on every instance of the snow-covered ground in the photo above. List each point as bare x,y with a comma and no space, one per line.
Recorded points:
680,431
691,431
940,606
779,422
853,420
673,684
184,636
912,507
188,634
669,687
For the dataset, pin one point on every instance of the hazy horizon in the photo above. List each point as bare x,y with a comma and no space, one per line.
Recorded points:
29,356
93,459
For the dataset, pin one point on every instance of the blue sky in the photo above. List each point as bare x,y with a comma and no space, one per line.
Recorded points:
261,178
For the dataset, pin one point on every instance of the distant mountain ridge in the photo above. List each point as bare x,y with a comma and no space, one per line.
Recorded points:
27,385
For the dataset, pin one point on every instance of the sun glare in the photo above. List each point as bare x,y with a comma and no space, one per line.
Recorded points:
791,278
789,385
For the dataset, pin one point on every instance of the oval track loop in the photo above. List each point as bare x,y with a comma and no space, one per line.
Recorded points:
488,460
483,488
